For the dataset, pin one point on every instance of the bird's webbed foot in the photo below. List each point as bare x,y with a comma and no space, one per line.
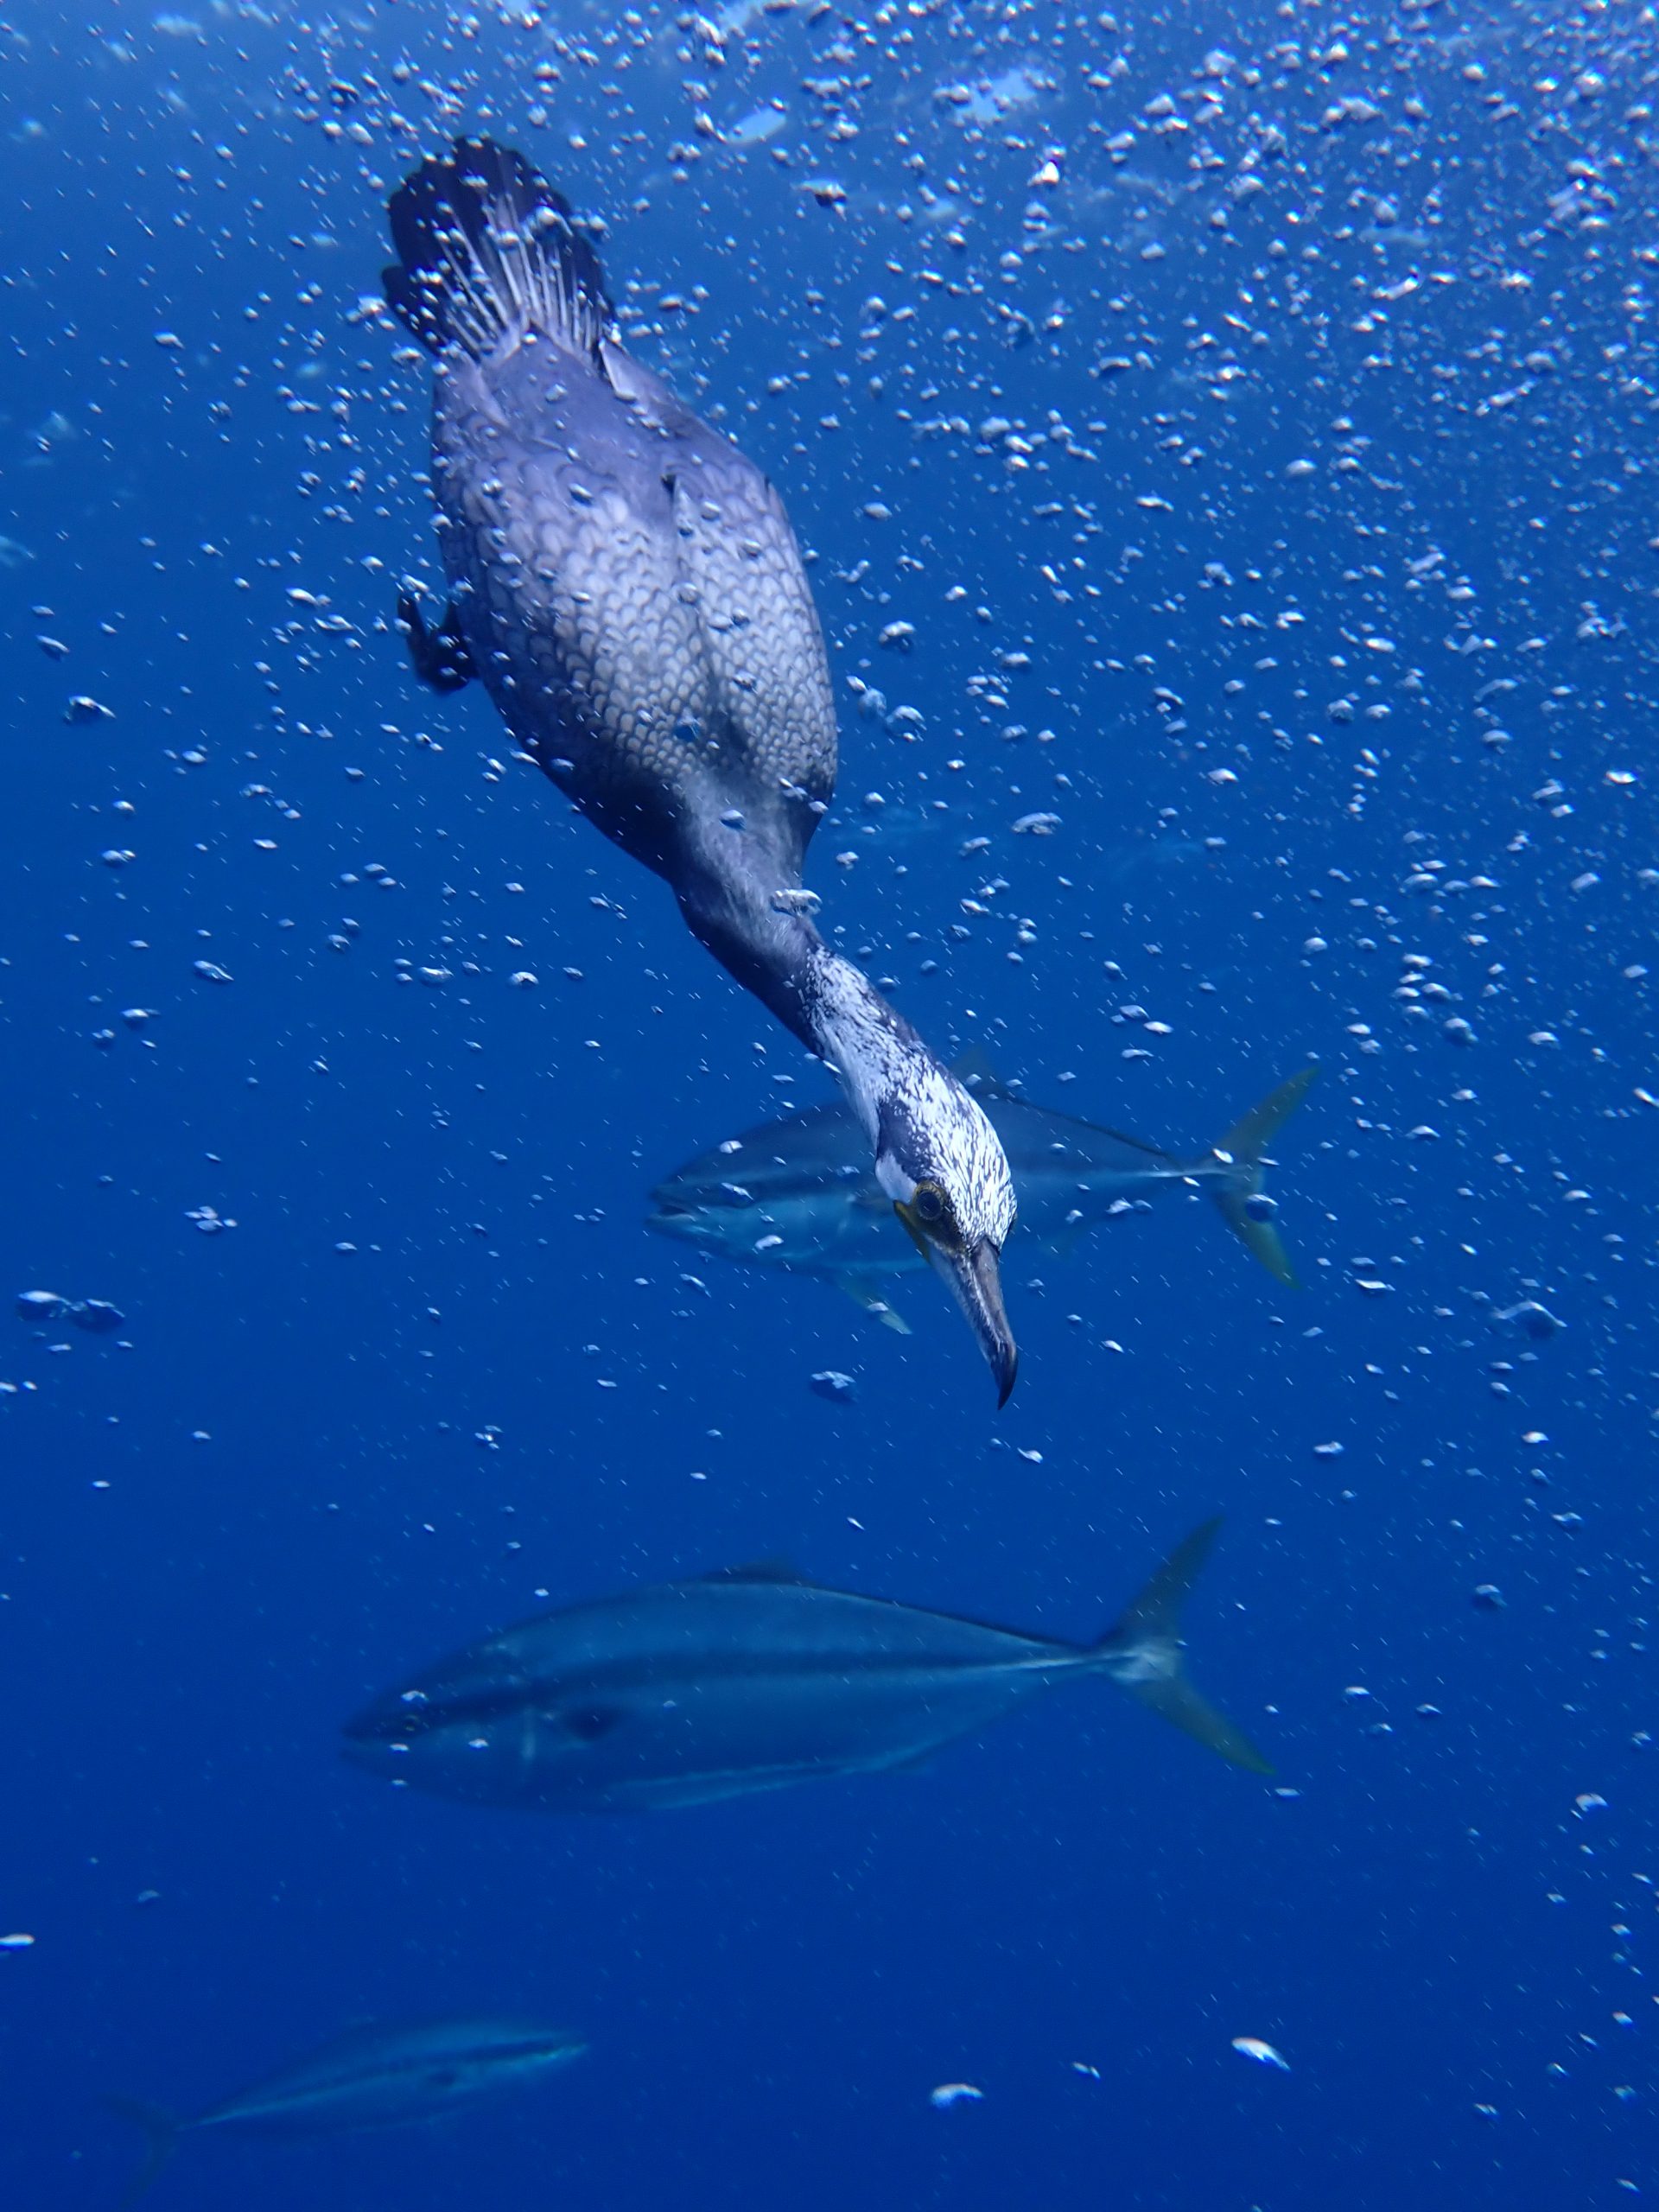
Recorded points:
438,651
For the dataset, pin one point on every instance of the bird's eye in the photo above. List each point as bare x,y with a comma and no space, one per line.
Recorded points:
929,1202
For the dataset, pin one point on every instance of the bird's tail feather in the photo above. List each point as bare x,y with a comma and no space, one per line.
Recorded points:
1242,1151
487,249
1143,1649
161,2130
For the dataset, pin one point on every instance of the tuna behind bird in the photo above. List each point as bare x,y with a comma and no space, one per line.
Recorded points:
627,587
795,1193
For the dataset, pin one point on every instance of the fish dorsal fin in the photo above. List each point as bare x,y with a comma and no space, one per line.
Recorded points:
756,1570
975,1071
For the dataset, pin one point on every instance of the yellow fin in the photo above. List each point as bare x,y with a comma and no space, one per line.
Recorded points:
1242,1148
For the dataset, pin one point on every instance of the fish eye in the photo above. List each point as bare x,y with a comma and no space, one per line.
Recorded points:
929,1202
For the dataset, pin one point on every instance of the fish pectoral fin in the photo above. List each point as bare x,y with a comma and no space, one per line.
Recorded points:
975,1071
1065,1241
589,1723
912,1762
864,1293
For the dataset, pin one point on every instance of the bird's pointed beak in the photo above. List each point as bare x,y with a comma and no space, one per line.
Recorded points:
975,1278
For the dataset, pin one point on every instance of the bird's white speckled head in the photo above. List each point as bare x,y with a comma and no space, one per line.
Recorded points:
936,1156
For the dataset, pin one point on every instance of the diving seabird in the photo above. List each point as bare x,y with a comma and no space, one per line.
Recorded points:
626,585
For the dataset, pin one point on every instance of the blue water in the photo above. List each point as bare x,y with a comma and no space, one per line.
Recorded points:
1317,599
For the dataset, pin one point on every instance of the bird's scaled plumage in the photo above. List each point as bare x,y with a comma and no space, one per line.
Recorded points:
627,586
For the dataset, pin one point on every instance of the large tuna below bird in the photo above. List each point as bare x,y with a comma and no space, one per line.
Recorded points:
747,1680
627,587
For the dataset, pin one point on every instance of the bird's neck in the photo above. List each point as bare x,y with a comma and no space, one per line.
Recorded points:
765,940
872,1049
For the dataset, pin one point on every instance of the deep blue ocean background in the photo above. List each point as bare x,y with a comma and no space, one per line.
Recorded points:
1257,428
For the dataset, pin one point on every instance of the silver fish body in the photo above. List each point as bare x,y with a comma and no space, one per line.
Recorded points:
746,1681
385,2075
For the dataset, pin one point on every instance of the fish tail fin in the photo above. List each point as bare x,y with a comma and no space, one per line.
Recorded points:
486,249
1242,1151
161,2130
1142,1650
